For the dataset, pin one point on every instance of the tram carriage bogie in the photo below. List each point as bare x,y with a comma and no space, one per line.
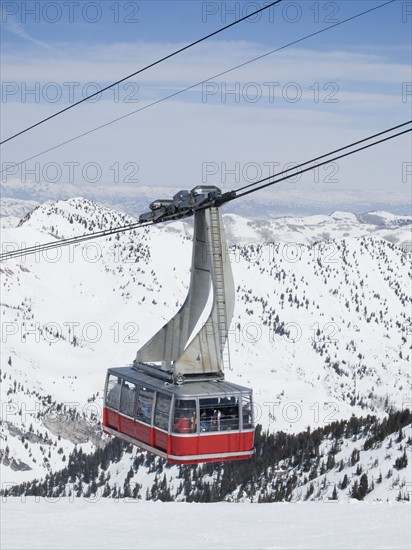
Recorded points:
203,193
143,410
161,203
146,217
183,200
183,203
154,215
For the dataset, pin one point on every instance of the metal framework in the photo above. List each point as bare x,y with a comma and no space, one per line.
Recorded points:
194,343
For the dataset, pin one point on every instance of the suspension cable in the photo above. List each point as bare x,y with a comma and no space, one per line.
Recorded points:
192,86
140,71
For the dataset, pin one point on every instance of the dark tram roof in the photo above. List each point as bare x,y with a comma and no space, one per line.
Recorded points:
188,389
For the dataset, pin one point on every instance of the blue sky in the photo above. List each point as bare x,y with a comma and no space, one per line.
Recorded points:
302,101
157,20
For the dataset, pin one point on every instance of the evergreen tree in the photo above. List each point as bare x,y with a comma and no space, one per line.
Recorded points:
401,462
354,457
363,487
344,482
355,489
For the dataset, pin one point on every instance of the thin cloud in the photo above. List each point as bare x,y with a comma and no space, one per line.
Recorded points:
17,29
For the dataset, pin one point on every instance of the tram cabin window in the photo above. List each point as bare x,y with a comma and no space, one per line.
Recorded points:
162,410
145,405
185,416
207,411
219,414
128,398
228,419
113,392
247,415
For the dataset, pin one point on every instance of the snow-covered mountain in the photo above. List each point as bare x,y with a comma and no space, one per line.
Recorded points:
12,210
321,328
312,229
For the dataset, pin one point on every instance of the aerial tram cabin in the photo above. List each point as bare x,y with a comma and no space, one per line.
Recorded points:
174,401
193,422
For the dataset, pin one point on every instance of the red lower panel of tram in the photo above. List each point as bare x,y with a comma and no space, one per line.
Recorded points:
218,446
181,449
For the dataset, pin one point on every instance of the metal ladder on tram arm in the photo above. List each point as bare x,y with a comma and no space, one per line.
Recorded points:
220,255
194,343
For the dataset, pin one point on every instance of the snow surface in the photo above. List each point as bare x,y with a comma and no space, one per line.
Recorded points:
79,523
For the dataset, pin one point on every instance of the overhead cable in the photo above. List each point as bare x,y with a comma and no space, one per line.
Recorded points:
192,86
180,50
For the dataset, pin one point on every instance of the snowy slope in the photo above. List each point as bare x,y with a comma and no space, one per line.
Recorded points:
385,482
86,523
321,327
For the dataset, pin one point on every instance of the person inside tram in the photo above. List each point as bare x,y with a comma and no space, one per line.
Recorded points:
247,415
128,398
193,423
204,421
146,413
182,425
229,413
113,395
215,420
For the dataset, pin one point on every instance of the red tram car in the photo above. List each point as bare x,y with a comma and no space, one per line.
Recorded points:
205,421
